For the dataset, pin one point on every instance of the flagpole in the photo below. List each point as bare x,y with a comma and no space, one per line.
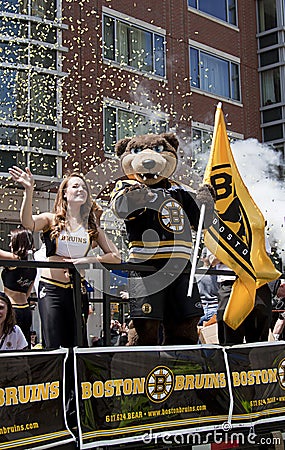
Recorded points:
196,250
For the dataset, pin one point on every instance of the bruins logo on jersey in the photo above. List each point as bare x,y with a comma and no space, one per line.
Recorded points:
171,216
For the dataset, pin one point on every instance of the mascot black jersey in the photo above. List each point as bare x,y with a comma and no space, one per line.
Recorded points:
158,227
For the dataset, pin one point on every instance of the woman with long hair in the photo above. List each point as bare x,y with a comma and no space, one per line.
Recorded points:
18,281
69,232
11,336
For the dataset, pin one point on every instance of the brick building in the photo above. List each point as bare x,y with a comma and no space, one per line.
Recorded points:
78,75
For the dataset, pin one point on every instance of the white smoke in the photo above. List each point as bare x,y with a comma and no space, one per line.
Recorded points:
258,166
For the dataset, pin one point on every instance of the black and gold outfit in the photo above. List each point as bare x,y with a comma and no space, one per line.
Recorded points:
158,223
19,279
55,298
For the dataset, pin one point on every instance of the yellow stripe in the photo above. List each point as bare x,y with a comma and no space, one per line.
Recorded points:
35,439
257,414
57,283
16,306
153,426
158,425
240,258
160,244
145,256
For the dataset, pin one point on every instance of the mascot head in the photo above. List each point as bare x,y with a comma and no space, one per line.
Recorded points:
149,158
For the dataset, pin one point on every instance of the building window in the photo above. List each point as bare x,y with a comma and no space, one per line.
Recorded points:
202,136
15,6
14,95
267,15
10,158
270,86
221,9
5,237
273,133
45,9
215,75
133,46
268,40
201,145
30,90
120,122
269,57
272,114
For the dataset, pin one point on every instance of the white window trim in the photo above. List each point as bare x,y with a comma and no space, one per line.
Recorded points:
209,128
130,69
19,40
15,123
28,67
133,21
33,150
214,51
217,97
27,18
107,101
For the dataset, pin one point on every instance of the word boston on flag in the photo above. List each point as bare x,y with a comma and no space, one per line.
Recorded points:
237,233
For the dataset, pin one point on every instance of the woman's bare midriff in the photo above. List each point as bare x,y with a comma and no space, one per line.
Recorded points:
61,275
16,298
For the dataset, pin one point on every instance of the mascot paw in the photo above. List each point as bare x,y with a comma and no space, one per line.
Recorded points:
139,194
206,196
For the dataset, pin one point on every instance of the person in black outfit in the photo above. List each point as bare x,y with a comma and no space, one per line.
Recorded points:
18,281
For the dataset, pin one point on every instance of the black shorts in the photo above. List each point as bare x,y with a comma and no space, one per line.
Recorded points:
166,299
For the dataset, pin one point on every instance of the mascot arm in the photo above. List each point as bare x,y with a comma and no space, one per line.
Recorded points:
206,195
129,200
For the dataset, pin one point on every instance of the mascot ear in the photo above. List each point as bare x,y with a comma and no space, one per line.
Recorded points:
121,146
172,139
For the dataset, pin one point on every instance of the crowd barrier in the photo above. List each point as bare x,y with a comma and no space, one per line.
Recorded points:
139,394
126,395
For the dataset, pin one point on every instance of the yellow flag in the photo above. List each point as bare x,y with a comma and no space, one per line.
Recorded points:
237,233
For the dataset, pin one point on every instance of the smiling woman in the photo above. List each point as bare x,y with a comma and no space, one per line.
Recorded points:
11,336
69,232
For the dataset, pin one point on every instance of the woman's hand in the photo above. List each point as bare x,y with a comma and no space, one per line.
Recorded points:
24,177
281,291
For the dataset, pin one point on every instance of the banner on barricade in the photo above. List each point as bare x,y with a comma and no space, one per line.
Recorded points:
258,382
32,400
128,394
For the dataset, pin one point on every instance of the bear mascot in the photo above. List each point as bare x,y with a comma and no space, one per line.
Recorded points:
159,214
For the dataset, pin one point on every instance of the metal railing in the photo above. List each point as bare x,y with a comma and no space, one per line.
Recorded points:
107,299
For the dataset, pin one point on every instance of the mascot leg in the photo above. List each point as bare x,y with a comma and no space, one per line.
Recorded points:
183,333
144,332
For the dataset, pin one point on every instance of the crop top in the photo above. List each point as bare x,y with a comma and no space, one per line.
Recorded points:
70,244
18,279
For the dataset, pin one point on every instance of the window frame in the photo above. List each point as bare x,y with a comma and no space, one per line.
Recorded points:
218,55
133,109
31,68
133,23
227,21
204,129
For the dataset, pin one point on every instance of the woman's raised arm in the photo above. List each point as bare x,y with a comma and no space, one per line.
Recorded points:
29,221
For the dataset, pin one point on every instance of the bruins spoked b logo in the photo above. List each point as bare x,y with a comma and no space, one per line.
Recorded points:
159,384
171,216
281,373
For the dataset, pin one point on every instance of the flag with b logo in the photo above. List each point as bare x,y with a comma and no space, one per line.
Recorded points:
236,235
